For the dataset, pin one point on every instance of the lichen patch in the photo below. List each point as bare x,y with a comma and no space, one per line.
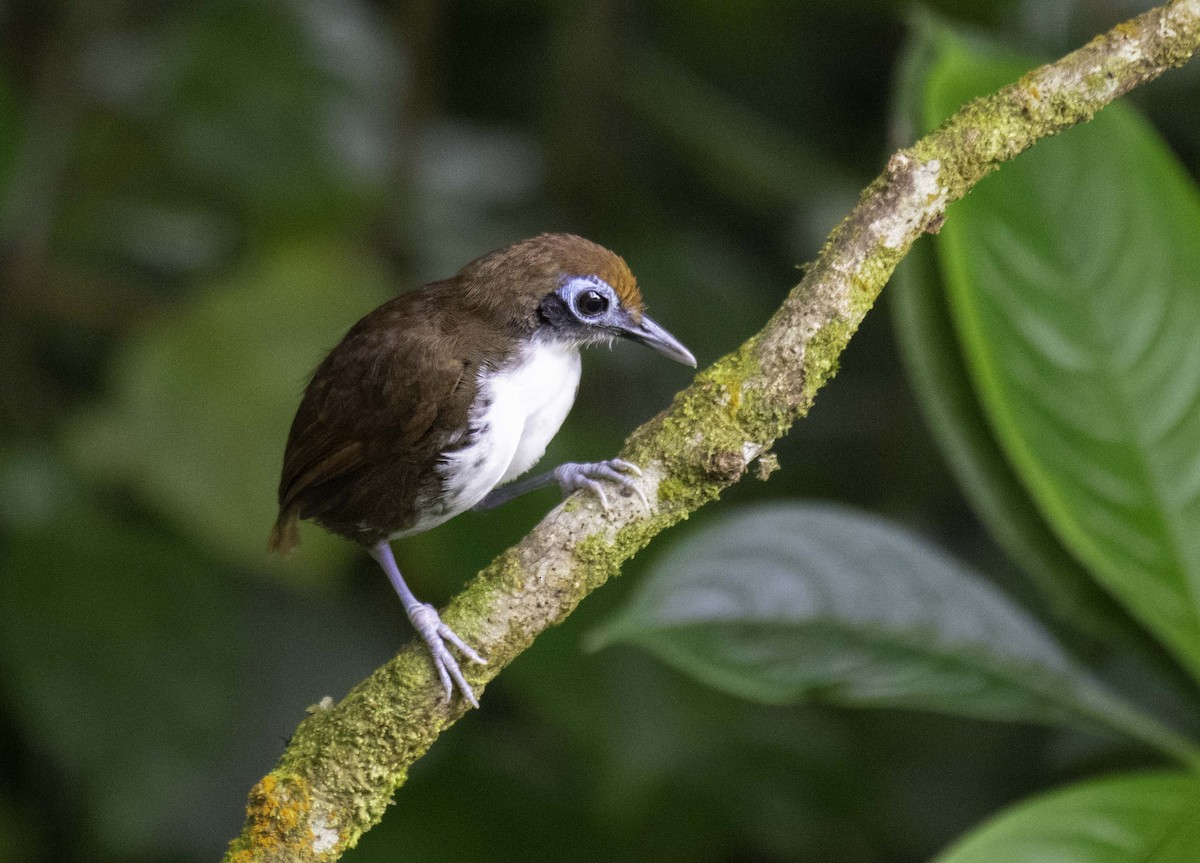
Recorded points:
324,837
920,206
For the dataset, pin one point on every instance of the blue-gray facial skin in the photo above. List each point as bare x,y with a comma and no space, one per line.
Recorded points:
594,313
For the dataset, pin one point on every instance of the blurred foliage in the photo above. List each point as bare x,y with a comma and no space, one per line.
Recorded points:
240,349
198,197
106,624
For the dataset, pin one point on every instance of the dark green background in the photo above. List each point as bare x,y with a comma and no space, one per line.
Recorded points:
198,197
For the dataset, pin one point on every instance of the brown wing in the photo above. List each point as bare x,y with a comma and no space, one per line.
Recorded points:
374,418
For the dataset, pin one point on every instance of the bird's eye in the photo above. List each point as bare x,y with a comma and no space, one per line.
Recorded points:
591,303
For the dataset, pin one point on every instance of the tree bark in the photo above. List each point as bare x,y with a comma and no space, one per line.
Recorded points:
345,761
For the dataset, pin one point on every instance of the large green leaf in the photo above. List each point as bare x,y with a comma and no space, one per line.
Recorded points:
939,377
936,367
786,602
201,401
1072,276
1147,818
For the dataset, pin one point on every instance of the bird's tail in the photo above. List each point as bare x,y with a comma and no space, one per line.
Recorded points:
285,533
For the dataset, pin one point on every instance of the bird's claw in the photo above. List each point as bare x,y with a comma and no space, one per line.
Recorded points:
435,634
574,476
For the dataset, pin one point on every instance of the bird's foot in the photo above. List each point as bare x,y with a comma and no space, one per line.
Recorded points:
574,476
428,624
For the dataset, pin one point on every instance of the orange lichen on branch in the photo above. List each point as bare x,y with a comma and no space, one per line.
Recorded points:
277,822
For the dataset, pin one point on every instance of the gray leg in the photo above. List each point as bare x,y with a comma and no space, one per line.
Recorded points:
502,495
571,477
429,626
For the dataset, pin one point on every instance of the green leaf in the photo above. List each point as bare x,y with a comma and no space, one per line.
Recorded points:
939,377
201,402
1072,276
935,365
1146,818
789,602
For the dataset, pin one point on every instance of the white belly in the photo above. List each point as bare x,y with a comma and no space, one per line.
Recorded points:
517,412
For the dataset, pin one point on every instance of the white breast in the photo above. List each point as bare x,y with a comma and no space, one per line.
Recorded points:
516,413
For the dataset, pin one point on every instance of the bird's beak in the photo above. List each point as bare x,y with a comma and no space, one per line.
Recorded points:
650,334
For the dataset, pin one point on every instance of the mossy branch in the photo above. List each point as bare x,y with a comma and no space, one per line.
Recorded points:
343,764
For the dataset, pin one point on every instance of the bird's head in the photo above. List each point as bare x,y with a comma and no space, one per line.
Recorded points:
564,288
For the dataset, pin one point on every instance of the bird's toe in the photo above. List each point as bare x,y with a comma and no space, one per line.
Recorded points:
626,466
436,634
588,476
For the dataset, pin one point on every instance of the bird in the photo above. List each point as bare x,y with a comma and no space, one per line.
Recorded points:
435,402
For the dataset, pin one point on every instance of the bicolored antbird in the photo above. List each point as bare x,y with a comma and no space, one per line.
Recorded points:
438,398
